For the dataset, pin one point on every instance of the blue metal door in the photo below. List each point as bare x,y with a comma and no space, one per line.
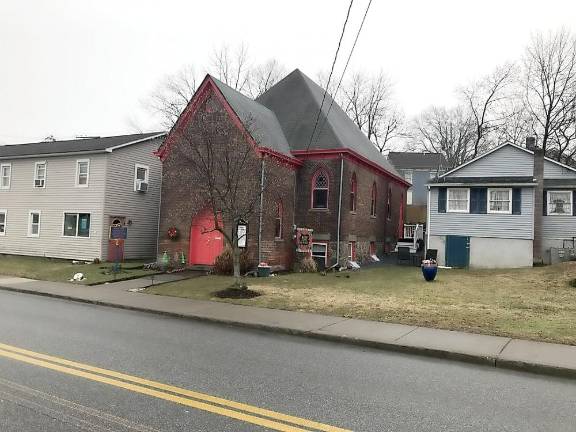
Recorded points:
457,251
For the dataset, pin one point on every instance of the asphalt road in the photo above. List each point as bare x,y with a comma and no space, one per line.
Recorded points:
337,385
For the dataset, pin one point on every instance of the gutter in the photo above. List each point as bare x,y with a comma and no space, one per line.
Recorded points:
339,210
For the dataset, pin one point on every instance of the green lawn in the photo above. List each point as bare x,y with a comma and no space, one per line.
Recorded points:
62,270
536,303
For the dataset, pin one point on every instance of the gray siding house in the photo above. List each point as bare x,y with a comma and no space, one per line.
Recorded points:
418,169
506,208
60,199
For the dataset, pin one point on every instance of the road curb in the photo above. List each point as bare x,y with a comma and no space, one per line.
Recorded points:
536,368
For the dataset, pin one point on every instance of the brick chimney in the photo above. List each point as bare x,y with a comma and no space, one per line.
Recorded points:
538,197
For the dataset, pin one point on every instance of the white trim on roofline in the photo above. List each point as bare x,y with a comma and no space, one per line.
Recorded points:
85,152
498,148
111,149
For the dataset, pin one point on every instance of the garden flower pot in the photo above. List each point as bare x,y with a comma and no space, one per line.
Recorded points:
429,272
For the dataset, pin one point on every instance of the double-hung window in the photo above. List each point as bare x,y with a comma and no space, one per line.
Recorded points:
559,203
320,251
5,176
278,221
2,222
40,174
458,200
500,201
82,172
373,200
76,225
34,223
141,174
408,176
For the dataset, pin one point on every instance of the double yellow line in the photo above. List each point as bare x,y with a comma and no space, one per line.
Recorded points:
236,410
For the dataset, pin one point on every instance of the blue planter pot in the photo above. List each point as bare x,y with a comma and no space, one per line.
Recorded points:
429,272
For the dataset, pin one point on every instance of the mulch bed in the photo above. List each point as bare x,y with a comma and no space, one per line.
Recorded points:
235,293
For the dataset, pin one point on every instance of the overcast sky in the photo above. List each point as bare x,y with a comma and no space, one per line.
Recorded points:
85,67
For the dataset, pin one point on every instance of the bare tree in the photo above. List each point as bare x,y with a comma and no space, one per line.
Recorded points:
225,171
368,101
550,83
482,98
172,95
450,132
265,76
232,67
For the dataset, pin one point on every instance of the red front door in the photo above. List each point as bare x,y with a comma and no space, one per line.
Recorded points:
205,243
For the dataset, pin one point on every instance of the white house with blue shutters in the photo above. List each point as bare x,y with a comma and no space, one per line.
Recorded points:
507,208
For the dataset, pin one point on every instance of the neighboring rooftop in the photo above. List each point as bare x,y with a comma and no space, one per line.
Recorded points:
413,160
83,145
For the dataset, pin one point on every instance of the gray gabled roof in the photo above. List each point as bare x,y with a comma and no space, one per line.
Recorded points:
85,145
260,122
296,100
413,160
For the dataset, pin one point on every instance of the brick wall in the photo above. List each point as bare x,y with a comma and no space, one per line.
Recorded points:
182,199
359,226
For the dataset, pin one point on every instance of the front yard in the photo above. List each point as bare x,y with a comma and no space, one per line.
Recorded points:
58,270
536,303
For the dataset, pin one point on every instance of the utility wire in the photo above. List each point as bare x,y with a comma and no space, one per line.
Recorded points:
345,67
331,72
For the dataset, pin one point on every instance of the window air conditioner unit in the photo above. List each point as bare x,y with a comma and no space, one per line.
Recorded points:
142,186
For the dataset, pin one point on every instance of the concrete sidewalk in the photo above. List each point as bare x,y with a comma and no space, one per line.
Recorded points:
496,351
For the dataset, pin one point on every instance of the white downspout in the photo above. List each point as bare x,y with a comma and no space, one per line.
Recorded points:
339,211
261,212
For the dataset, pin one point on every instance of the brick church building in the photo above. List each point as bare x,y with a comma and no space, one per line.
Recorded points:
336,184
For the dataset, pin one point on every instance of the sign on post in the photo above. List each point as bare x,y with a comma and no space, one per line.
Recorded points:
303,239
242,233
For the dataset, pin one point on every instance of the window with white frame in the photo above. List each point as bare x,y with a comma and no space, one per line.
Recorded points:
352,251
559,203
40,174
76,225
82,172
408,175
5,176
2,222
141,174
500,201
34,223
409,197
458,200
320,250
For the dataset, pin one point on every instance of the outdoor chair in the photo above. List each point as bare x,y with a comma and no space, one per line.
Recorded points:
404,255
432,254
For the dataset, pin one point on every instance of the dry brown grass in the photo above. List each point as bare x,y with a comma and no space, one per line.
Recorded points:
536,303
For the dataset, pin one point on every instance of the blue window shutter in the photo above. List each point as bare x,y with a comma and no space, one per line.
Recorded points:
442,200
516,201
474,203
545,203
482,200
574,203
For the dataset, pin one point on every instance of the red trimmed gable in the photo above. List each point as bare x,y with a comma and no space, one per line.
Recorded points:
206,89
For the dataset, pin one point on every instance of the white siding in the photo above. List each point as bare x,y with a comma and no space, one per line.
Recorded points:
140,208
60,195
558,228
484,225
507,161
555,171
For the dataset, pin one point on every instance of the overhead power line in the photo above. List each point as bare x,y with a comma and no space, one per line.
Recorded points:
345,67
331,72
